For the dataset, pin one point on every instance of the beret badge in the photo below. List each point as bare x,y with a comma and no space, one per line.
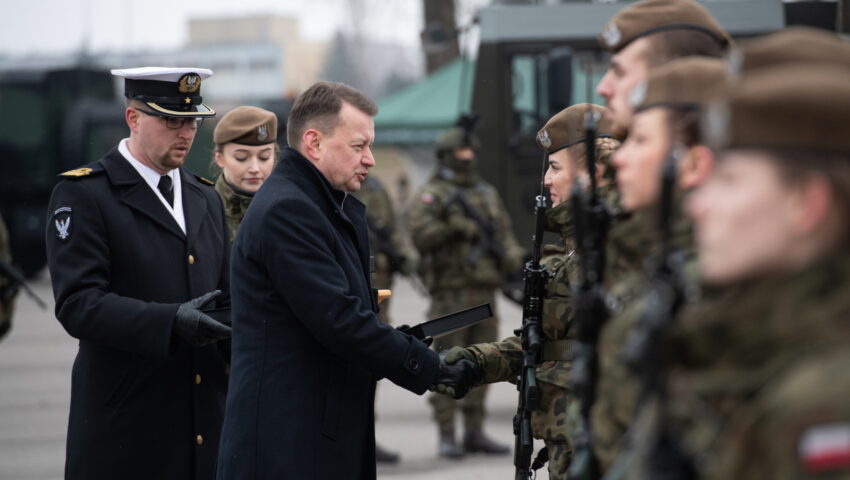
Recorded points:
611,34
543,139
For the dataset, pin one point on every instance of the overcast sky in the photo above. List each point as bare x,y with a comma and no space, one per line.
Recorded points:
63,26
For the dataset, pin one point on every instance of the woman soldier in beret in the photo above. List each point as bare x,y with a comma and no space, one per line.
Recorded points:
760,374
562,138
245,151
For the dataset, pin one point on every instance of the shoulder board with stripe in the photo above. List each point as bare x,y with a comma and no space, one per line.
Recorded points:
80,172
204,180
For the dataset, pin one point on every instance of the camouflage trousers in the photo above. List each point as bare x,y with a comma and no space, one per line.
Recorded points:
549,423
443,303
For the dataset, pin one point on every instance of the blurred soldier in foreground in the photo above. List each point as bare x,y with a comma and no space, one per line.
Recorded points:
8,287
562,138
649,33
641,36
390,255
463,234
662,160
758,385
131,240
245,151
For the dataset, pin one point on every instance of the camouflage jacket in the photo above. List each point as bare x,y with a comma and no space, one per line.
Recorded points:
501,361
386,244
450,260
8,291
235,204
617,386
759,386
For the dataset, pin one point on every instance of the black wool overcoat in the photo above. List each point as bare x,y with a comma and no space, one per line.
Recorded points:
307,345
143,405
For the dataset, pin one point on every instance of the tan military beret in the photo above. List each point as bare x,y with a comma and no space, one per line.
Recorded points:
246,126
791,45
787,106
685,82
566,128
651,16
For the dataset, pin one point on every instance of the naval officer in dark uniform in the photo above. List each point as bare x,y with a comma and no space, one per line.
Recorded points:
137,246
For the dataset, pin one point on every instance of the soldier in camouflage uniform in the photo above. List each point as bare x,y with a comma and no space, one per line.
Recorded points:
758,385
390,254
501,361
245,152
463,234
666,109
8,288
642,36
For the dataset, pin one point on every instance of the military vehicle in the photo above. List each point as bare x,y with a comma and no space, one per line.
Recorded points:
535,60
56,120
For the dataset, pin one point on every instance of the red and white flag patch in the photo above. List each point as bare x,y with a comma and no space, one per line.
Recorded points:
825,448
427,197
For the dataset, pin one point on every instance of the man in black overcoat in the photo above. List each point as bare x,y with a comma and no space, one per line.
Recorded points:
307,344
132,239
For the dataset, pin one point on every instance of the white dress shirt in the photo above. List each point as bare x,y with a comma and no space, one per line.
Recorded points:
151,177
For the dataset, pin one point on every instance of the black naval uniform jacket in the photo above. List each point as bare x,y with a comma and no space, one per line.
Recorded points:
307,345
143,404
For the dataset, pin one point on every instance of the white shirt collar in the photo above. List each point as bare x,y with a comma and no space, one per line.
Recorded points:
151,177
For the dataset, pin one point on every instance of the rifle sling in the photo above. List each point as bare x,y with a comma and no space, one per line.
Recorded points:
558,350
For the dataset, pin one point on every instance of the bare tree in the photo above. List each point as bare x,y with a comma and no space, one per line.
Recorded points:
440,35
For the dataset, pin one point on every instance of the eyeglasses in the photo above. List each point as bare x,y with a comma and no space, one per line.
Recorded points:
176,123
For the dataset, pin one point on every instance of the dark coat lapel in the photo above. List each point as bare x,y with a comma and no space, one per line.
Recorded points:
194,206
136,194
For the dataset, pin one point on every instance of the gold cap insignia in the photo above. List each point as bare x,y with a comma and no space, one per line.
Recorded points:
189,83
77,172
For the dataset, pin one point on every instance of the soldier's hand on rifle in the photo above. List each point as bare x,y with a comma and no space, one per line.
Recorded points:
196,327
463,226
456,380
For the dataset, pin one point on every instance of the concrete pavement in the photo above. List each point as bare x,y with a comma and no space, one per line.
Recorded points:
35,372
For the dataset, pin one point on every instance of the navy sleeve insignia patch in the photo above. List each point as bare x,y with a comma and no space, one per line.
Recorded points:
62,222
77,172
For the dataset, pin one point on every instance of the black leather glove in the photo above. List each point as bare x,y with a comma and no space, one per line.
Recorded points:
456,380
196,327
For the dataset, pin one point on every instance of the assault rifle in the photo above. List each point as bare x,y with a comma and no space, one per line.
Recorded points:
531,335
591,220
487,242
16,279
646,350
383,244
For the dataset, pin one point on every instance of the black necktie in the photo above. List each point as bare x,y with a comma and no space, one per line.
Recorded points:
166,189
